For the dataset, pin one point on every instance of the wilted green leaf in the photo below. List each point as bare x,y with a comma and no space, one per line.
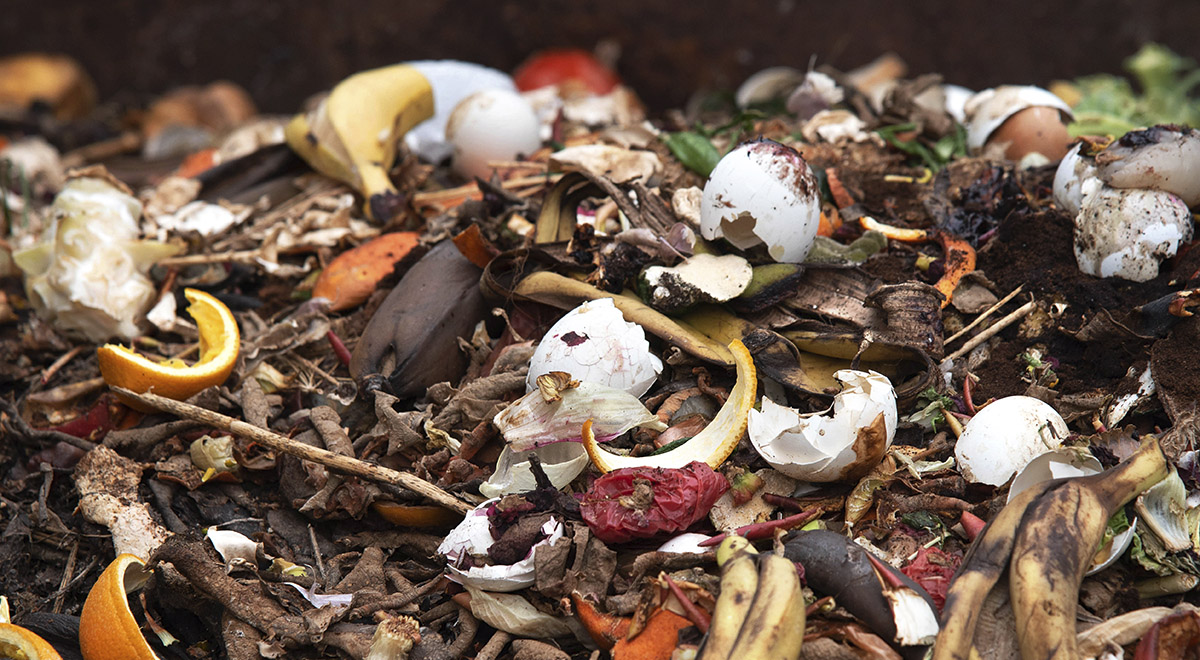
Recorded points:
694,151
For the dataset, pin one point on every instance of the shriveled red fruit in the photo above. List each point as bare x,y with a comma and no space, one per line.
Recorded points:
565,66
638,503
932,569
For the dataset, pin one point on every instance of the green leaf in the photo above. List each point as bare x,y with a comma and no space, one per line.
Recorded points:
694,151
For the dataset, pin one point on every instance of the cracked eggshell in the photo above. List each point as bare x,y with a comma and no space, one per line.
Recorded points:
1005,436
702,278
491,125
1127,233
763,192
1027,118
473,537
1072,171
595,344
841,443
1055,464
1163,158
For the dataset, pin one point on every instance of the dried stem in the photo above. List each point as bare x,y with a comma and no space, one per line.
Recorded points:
993,330
346,464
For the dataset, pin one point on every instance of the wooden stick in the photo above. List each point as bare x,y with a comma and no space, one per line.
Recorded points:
988,312
346,464
993,330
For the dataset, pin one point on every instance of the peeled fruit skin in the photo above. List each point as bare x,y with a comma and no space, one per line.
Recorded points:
763,192
219,345
107,629
21,644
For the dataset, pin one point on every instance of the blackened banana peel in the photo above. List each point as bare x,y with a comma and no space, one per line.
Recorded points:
412,340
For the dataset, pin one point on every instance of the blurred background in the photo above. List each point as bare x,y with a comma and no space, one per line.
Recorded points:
285,50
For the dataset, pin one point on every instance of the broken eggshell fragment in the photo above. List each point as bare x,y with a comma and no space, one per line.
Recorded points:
595,344
703,278
1019,119
824,447
1005,436
763,192
1073,170
1126,233
466,551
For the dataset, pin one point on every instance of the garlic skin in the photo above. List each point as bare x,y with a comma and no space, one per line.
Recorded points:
820,447
473,537
1005,436
89,277
595,344
531,421
1165,158
561,462
1127,233
763,192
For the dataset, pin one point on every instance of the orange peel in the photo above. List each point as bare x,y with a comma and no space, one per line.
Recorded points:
417,515
107,629
712,445
219,344
22,644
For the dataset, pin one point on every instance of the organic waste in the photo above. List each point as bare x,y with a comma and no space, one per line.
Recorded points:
452,363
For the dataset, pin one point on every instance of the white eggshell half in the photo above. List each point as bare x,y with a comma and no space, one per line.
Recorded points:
473,536
987,110
595,344
1055,464
1127,233
763,192
492,125
1072,171
1005,436
820,446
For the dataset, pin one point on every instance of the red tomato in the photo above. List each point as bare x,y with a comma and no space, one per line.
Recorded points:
558,66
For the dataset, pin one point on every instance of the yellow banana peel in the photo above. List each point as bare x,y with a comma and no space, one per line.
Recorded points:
353,133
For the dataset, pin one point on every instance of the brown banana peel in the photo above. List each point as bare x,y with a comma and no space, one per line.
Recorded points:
411,342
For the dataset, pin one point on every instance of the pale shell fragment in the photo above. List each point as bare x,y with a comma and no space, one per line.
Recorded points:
825,447
1127,232
763,192
473,537
1005,436
595,344
562,462
987,110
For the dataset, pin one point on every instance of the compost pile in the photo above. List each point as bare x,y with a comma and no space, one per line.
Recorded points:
458,364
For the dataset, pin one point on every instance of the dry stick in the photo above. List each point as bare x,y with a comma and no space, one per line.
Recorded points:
60,363
993,330
68,574
346,464
495,645
979,319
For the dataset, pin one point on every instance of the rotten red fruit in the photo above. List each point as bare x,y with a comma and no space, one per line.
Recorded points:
638,503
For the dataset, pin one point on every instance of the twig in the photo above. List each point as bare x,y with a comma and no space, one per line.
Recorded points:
68,571
495,645
993,329
468,627
316,548
60,363
395,601
280,443
988,312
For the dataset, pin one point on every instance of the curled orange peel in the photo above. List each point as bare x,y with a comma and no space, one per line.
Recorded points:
23,644
107,629
219,343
